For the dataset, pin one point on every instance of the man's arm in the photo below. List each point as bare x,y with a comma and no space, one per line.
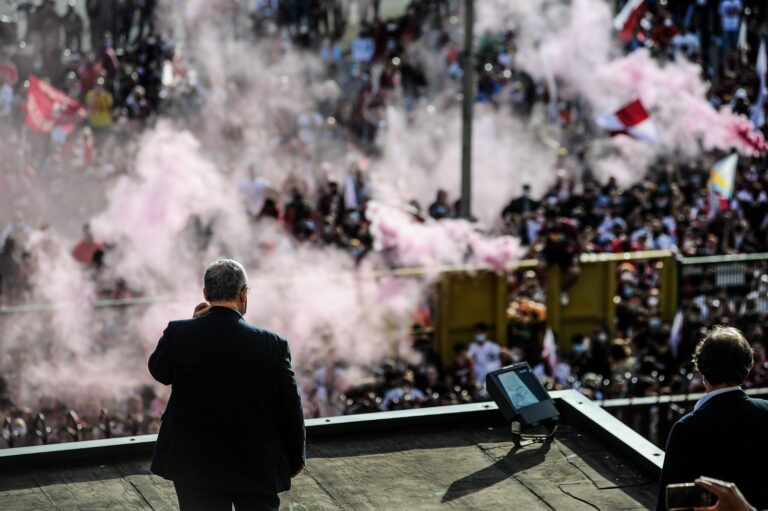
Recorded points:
679,460
160,360
292,413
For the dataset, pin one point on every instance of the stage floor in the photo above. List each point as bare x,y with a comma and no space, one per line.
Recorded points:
464,467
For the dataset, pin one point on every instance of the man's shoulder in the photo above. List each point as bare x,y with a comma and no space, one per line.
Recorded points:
262,332
736,401
181,323
246,327
761,404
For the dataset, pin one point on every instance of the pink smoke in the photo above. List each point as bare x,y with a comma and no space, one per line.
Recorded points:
449,242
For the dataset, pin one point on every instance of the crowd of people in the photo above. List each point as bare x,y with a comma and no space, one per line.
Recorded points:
115,71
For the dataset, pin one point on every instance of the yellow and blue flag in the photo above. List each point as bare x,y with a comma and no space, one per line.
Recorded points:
722,176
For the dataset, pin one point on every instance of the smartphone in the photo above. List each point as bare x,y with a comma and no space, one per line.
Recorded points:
688,496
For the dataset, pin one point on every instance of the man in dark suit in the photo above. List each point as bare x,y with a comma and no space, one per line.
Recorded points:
723,437
233,430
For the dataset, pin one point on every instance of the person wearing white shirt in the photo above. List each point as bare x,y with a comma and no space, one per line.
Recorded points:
485,353
686,43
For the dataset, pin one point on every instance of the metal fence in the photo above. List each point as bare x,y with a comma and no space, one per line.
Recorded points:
732,283
653,417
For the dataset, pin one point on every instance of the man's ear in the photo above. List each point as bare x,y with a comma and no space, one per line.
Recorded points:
205,295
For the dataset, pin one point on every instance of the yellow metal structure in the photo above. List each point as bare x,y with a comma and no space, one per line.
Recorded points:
464,298
591,298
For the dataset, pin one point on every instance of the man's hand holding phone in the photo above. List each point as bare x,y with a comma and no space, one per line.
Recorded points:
729,497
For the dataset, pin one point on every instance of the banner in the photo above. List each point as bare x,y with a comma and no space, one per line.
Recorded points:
48,107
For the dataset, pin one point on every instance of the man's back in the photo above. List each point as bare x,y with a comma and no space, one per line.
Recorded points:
724,439
234,420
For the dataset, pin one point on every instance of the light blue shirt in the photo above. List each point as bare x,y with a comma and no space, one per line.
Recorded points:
710,395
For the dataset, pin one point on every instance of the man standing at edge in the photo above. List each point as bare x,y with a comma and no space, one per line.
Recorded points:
723,436
233,430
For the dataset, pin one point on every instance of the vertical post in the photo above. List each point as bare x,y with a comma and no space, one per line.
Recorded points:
468,100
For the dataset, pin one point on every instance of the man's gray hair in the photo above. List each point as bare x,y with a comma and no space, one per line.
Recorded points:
224,280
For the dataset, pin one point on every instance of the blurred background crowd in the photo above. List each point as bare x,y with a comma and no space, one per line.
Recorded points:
125,73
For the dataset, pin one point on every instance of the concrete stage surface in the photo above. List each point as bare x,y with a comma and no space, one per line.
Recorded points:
443,458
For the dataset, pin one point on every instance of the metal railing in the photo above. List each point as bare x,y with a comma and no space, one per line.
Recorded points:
737,279
654,416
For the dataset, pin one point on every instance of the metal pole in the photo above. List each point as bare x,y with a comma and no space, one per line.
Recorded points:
468,100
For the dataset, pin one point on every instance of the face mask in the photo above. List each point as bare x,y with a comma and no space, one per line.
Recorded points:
19,432
480,337
628,292
602,337
578,349
653,301
654,323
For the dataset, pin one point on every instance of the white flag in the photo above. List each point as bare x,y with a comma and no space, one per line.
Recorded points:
757,115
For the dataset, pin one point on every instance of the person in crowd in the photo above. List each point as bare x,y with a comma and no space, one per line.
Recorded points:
331,204
85,250
73,28
461,370
716,436
485,354
99,102
561,247
730,18
441,208
521,205
403,394
297,212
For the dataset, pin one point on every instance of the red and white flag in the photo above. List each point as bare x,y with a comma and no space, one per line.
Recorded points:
633,120
628,18
48,107
549,351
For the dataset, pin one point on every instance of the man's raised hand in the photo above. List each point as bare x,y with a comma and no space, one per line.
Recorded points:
201,309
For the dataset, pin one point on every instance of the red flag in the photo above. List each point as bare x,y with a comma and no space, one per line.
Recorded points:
48,107
632,119
628,18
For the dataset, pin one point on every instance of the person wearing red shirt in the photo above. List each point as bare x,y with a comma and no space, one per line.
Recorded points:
87,247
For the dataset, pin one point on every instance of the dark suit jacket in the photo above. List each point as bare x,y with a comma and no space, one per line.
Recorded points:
234,420
725,439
